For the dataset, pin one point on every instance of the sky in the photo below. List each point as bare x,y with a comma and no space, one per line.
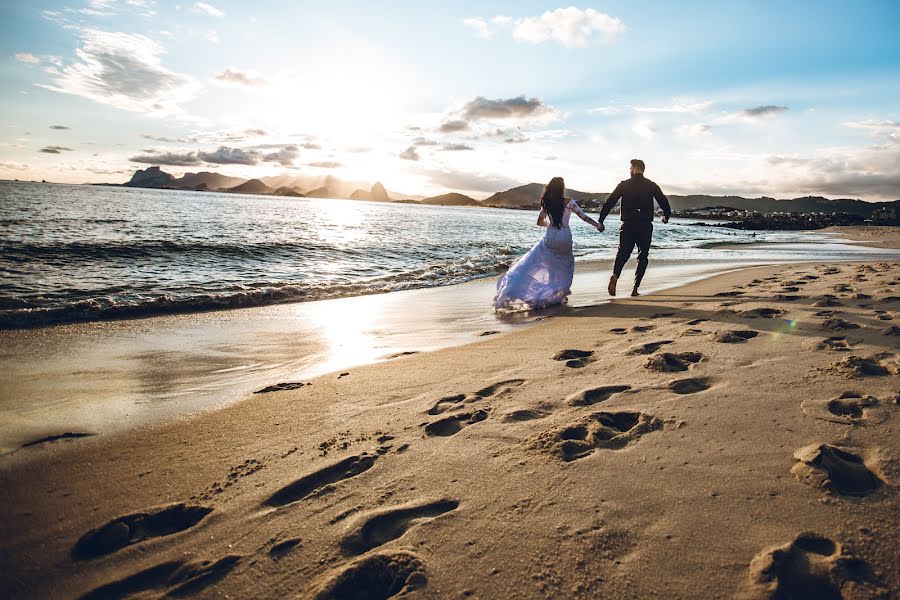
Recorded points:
753,98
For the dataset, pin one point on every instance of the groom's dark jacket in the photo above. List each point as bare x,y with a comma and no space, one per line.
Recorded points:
637,195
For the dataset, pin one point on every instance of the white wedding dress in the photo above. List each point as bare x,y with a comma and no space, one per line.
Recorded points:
543,276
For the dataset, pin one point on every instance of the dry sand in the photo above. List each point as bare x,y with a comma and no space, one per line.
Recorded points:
735,437
877,236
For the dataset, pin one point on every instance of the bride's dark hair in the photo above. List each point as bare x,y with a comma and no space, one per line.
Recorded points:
553,200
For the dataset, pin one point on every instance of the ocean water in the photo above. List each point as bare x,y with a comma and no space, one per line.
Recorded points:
87,253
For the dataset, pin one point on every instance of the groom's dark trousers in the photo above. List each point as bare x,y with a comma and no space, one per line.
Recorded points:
631,234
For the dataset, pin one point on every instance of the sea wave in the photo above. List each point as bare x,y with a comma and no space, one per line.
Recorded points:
19,313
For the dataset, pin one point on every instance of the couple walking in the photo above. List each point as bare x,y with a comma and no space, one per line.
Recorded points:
544,275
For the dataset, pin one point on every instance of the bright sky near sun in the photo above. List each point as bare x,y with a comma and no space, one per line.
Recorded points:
746,97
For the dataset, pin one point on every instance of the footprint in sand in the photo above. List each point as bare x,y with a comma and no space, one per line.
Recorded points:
175,578
501,387
892,330
831,468
691,385
318,481
850,408
455,423
608,430
857,366
375,577
281,387
764,313
379,529
838,343
137,527
810,567
692,332
523,414
670,362
641,328
838,324
661,315
826,302
735,336
618,330
595,395
446,403
788,297
732,294
575,358
696,322
649,347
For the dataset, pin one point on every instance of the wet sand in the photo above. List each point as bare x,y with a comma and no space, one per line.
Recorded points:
737,436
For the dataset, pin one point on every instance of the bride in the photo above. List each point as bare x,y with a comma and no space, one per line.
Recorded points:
543,276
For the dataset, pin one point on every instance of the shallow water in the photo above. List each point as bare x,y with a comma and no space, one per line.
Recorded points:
85,253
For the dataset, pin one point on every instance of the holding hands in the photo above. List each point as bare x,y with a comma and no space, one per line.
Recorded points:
600,227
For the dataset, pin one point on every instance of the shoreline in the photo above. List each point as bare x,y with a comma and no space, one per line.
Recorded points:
102,377
427,431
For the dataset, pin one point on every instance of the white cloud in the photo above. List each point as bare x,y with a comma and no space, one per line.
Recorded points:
487,29
209,9
644,128
605,110
567,26
122,70
235,76
14,166
889,129
212,35
105,8
410,154
677,107
27,57
693,131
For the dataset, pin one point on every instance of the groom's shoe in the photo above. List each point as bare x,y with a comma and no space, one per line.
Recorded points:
634,292
612,285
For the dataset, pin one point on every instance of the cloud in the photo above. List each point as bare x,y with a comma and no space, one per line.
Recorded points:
692,131
680,107
60,127
209,9
312,146
15,166
605,110
235,76
156,138
223,155
27,57
175,159
518,107
888,129
456,147
259,132
124,71
325,164
284,156
485,29
568,27
453,126
105,8
420,141
54,149
469,182
763,111
644,128
845,172
410,154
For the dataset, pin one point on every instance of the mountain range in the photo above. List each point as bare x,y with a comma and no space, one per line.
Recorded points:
521,197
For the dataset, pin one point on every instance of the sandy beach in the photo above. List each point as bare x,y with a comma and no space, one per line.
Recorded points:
735,437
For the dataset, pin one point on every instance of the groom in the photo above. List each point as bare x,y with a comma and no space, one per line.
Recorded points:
637,195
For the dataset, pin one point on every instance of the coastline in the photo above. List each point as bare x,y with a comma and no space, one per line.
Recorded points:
111,376
632,517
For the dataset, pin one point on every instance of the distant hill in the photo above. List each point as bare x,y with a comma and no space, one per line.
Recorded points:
321,192
289,191
213,181
376,194
806,204
253,186
451,199
150,177
529,196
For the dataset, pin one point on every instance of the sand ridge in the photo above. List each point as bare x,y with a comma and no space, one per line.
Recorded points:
686,454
